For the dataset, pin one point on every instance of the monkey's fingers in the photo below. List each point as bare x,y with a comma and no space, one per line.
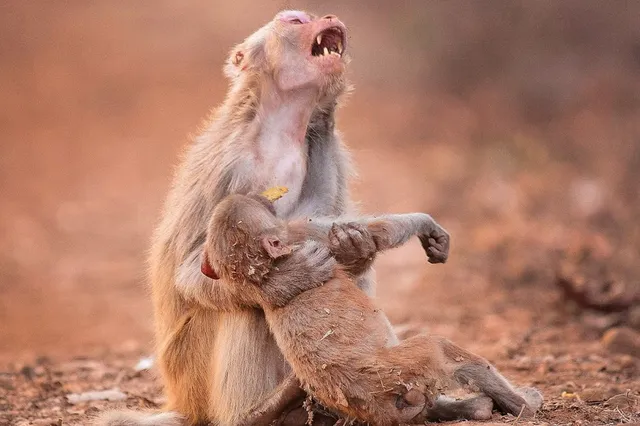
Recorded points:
441,242
339,240
436,252
436,256
438,246
361,240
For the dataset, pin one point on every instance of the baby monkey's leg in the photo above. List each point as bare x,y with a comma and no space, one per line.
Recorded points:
448,409
284,407
467,368
439,364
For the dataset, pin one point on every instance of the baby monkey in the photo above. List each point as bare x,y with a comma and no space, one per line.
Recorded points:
329,330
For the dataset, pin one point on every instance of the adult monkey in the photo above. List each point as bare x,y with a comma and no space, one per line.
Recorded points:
276,127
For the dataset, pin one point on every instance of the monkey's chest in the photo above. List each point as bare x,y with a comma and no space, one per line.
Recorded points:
284,168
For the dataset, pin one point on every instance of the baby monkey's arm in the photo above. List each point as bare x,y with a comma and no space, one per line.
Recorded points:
310,265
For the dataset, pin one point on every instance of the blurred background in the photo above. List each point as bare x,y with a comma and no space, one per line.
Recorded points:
515,124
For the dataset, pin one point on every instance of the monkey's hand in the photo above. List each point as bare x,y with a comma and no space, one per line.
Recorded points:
436,244
309,266
353,246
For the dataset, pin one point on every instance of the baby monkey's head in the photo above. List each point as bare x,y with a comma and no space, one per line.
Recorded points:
296,49
244,239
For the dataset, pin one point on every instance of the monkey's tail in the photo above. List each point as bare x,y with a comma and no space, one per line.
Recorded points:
139,418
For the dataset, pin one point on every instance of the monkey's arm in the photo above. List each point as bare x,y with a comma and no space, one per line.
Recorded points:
393,230
351,243
363,237
310,265
213,294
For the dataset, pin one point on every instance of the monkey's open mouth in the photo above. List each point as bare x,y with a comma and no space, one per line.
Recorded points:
329,42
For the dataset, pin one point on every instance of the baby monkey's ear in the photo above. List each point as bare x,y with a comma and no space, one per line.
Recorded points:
207,269
274,247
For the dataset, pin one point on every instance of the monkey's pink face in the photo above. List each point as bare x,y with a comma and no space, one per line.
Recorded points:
298,49
318,43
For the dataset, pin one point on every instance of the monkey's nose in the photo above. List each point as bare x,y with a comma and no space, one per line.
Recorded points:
330,17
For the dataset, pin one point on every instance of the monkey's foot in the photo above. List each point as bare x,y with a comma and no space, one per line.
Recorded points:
447,409
532,396
410,404
524,402
300,416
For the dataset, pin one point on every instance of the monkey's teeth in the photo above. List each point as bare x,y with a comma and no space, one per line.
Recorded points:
340,47
335,53
326,51
319,39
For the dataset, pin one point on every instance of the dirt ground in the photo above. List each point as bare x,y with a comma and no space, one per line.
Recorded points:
531,161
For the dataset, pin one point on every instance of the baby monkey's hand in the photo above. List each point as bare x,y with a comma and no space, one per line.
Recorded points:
353,246
308,266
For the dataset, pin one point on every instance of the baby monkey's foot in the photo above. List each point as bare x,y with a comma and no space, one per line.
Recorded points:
436,245
410,404
447,409
532,396
352,245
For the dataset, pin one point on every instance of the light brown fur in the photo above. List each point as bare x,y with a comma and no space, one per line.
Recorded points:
225,358
214,350
332,335
276,127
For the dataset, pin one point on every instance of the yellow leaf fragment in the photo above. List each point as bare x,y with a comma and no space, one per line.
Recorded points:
275,193
570,395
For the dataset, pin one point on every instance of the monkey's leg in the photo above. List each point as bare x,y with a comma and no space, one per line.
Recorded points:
470,369
448,364
272,408
183,360
245,367
448,409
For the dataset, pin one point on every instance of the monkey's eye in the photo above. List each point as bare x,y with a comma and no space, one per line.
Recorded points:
294,17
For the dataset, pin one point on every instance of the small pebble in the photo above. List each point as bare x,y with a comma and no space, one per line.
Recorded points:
622,340
106,395
144,364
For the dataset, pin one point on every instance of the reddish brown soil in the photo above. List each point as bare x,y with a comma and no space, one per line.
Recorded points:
98,100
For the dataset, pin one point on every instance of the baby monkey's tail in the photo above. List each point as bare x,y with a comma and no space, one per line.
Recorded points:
139,418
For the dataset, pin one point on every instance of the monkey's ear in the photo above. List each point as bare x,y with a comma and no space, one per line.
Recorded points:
248,54
237,58
207,269
274,247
